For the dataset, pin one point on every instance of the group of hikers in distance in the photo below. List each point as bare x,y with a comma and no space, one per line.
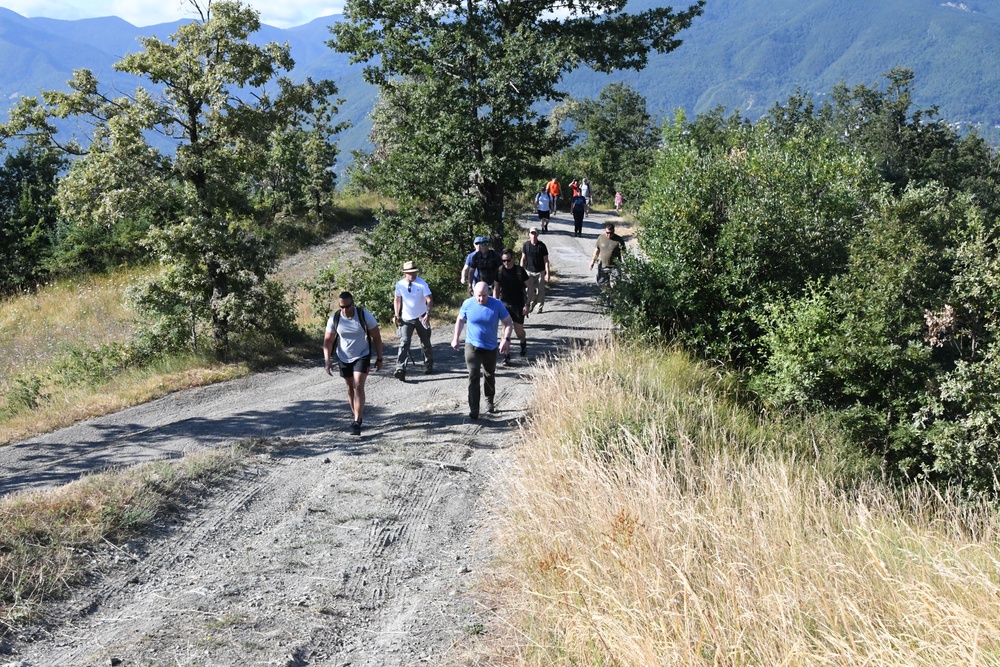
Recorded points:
503,292
581,198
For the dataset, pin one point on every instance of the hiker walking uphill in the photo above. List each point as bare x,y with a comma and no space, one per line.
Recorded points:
554,192
482,313
481,265
535,260
411,310
512,288
543,203
578,206
353,332
609,249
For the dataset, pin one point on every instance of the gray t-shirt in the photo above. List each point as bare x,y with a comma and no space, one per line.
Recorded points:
352,344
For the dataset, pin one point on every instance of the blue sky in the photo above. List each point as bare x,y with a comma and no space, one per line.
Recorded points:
279,13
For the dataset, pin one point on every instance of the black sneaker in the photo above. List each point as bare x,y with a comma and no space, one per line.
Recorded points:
524,347
400,374
473,415
428,368
356,428
506,361
489,405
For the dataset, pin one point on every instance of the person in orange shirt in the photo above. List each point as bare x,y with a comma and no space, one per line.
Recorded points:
554,192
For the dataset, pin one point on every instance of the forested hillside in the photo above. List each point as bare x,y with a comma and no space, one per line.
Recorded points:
741,54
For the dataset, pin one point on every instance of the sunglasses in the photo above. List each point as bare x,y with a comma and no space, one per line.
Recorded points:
506,259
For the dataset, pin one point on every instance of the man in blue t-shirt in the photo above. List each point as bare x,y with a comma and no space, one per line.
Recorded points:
482,313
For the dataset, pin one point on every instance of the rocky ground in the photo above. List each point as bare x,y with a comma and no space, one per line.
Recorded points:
329,549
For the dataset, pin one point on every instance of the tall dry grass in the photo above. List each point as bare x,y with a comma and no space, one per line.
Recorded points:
652,521
34,326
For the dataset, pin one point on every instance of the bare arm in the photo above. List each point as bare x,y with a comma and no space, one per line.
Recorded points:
508,329
459,324
377,341
328,352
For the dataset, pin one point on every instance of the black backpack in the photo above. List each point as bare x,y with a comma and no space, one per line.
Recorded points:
364,325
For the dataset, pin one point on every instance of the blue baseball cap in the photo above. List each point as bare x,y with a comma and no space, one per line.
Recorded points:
481,239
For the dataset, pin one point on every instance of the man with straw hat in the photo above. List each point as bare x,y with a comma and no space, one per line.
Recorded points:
411,309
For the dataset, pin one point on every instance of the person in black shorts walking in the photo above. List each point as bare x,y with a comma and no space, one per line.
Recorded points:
512,287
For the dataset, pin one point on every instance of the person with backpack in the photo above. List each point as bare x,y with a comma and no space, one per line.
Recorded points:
481,265
579,208
353,332
543,203
588,195
535,260
512,286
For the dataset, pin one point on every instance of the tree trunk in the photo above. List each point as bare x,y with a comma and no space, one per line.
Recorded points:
220,323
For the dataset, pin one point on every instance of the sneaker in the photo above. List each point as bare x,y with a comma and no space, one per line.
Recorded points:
524,347
400,374
473,414
428,368
540,306
356,428
506,361
489,405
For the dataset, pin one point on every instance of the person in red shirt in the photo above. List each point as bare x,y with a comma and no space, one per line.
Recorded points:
554,192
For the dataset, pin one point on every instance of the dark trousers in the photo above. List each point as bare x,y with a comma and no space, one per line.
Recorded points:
406,336
480,362
578,222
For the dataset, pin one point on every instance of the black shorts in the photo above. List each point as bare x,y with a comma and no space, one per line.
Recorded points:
543,215
357,366
516,312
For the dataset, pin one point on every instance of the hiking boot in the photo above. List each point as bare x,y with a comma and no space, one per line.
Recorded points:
489,405
400,374
524,347
356,428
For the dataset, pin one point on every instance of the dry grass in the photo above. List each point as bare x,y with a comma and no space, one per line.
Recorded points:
48,539
35,325
650,521
65,406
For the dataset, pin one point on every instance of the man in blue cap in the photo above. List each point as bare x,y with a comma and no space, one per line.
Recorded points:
481,266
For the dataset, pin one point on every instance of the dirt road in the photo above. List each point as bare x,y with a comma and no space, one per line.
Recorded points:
334,549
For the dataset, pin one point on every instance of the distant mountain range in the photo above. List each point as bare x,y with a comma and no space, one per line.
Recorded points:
741,54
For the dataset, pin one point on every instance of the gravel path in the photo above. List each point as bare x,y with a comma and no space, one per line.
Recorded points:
332,549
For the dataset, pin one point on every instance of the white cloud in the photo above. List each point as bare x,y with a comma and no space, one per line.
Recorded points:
283,14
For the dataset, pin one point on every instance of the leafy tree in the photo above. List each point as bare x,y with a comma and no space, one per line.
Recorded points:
218,108
461,83
616,141
28,217
727,231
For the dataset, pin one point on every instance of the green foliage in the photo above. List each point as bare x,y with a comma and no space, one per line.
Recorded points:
245,136
614,142
24,394
27,215
460,85
733,229
845,256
